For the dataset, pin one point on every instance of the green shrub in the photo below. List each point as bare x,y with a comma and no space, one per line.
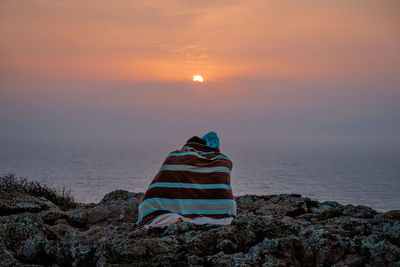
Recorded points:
59,196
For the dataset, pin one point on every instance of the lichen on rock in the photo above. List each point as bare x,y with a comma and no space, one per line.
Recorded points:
274,230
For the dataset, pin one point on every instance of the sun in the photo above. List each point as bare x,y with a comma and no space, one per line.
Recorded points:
198,78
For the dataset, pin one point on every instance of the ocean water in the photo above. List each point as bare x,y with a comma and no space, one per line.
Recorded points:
358,175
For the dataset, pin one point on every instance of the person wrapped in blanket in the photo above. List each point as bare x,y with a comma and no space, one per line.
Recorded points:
192,185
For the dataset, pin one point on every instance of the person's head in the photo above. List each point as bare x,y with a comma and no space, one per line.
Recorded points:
196,139
210,139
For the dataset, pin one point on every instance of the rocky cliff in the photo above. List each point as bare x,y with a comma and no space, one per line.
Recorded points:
271,230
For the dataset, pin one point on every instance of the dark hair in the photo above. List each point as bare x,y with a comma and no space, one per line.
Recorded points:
196,139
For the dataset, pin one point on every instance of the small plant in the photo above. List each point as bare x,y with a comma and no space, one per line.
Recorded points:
59,196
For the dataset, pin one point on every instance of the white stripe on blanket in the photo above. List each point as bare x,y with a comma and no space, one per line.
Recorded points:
170,218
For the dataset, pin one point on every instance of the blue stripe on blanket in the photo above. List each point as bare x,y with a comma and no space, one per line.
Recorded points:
197,154
191,168
226,208
190,185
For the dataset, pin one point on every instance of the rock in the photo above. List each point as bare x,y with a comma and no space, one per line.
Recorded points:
330,212
78,217
16,229
274,230
227,246
290,205
52,215
116,207
393,214
6,256
36,249
350,261
61,221
15,202
121,195
237,259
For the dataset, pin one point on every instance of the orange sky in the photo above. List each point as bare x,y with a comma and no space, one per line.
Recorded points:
172,40
278,63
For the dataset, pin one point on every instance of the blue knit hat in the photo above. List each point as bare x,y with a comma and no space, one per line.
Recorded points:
211,139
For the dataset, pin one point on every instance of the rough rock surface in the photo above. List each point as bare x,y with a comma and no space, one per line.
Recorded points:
273,230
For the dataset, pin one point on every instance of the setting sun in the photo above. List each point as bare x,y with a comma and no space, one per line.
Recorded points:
198,78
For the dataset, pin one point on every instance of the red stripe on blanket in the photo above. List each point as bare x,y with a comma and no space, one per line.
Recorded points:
194,160
190,177
187,193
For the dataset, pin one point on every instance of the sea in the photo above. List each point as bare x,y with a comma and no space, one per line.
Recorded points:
358,175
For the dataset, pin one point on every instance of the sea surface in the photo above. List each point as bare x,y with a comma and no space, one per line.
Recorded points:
349,175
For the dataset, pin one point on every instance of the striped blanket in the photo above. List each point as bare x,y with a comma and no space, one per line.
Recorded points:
193,182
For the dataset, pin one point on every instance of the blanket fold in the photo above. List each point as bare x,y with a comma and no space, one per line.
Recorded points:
192,182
